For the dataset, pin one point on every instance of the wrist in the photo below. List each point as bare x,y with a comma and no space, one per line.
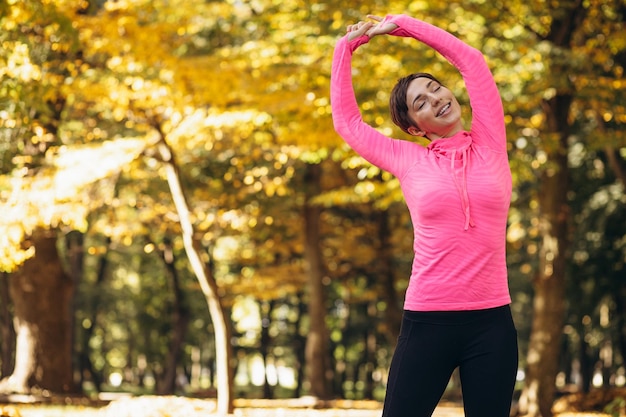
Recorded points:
354,43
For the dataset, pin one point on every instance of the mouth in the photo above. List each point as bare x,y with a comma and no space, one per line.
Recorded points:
443,110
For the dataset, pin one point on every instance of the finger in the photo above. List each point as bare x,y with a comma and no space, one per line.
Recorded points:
366,27
374,17
355,26
361,26
359,29
352,28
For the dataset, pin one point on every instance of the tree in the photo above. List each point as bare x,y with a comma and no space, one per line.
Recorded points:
44,340
180,317
317,353
41,49
596,289
221,323
566,37
6,327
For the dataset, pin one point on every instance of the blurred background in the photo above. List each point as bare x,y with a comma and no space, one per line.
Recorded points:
178,216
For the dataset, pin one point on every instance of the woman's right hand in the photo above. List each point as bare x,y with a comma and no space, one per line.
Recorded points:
380,28
359,29
370,29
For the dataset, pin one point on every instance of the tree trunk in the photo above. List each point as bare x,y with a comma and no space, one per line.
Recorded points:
317,355
87,369
180,320
7,331
267,308
299,344
75,253
369,354
42,295
620,318
549,284
208,284
586,362
393,310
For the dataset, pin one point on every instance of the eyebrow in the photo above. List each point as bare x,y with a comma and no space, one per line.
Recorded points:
420,94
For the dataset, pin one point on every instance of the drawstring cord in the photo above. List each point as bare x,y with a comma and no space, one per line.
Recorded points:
462,188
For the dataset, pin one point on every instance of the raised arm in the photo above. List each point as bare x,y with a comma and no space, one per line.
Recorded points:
485,101
389,154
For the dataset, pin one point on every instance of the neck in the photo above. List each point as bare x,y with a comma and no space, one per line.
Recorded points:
448,134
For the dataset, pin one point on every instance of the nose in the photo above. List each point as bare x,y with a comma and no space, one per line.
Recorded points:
434,98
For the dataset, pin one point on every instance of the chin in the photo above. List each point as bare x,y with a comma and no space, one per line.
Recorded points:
456,116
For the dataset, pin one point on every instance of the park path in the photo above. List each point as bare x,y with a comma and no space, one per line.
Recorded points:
155,406
290,412
178,410
186,407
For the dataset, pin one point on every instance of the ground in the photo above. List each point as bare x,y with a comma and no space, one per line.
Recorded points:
171,406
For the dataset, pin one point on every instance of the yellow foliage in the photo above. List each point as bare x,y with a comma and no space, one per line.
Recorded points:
245,85
9,411
62,193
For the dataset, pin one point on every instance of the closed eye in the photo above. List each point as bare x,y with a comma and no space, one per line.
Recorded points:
420,100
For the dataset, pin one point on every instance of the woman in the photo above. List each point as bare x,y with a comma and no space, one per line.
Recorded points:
457,189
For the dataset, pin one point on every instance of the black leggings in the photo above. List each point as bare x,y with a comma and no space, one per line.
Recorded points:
431,345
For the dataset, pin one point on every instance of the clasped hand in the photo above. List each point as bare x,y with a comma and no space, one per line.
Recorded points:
370,29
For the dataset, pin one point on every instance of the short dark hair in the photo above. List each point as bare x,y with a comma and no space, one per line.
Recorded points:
397,101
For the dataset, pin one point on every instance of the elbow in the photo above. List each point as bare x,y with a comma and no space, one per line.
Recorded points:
338,125
341,128
477,54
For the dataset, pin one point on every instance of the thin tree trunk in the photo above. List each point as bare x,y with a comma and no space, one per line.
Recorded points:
299,344
317,355
221,325
180,320
74,245
369,354
615,164
620,317
586,361
267,307
393,310
86,366
7,330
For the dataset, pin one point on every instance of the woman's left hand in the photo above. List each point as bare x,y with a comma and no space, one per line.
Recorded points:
359,29
380,28
370,29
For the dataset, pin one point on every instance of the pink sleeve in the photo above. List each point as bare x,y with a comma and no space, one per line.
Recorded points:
392,155
487,112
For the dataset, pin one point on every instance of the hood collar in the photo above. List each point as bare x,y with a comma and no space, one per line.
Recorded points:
446,146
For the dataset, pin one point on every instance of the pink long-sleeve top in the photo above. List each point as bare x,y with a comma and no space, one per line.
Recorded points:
457,189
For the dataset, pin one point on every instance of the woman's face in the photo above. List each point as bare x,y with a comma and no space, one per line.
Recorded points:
433,108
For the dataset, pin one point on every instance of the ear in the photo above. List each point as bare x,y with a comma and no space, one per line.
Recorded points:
416,132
